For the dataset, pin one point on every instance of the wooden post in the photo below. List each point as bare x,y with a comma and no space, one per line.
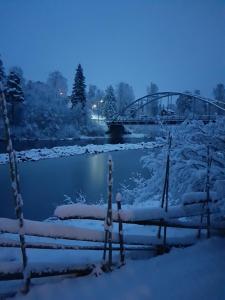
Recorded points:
206,203
167,202
18,201
165,194
209,162
120,230
108,221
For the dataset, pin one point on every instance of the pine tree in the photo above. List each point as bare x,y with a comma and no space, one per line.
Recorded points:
110,103
13,91
78,92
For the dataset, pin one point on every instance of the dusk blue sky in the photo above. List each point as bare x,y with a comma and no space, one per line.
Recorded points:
178,44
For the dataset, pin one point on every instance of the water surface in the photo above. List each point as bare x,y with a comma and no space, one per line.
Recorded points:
44,183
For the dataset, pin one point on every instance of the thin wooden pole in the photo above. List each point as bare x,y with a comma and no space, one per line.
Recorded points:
209,161
206,203
18,201
167,203
166,182
108,221
120,230
105,242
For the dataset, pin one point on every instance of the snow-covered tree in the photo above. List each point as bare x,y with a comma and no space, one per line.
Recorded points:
219,92
199,107
78,92
188,168
184,104
94,95
14,93
124,95
152,108
19,72
58,83
95,99
44,116
110,107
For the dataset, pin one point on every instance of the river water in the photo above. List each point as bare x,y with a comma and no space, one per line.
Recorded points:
44,183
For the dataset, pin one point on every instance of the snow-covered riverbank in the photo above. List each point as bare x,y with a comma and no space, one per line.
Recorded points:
64,151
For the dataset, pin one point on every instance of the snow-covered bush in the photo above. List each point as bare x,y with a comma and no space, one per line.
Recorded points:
188,163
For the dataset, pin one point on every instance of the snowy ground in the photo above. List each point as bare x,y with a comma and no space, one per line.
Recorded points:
193,273
37,154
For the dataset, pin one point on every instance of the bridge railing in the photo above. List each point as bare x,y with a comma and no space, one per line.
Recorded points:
178,118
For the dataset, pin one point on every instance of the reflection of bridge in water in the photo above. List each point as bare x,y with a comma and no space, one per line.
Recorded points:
138,112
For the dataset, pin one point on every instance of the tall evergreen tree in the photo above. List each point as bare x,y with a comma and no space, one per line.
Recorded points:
110,103
79,86
14,92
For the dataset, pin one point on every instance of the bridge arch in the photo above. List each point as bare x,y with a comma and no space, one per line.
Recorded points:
138,103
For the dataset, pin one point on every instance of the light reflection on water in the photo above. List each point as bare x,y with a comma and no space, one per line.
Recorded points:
44,183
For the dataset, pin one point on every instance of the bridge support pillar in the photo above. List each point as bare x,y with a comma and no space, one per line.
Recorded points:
116,129
116,132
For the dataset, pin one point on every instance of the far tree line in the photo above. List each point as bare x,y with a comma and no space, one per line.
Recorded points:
44,109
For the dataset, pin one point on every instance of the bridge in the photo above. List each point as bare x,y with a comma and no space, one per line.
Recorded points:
139,113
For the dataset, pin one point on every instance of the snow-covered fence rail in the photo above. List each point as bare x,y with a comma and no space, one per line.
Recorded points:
58,231
12,243
13,271
140,216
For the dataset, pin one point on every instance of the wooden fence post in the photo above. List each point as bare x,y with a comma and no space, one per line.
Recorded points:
120,229
165,194
206,203
108,221
18,201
